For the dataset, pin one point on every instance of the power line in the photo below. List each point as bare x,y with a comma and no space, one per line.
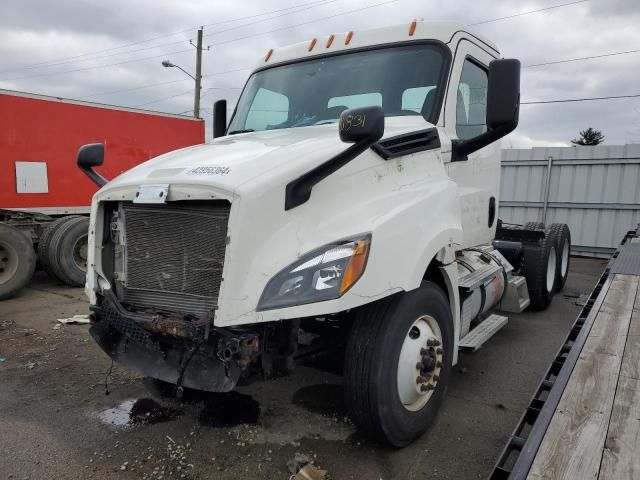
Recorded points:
164,98
299,8
526,13
134,88
577,59
71,59
183,51
588,99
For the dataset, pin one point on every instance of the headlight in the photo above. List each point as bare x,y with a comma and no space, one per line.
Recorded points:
324,274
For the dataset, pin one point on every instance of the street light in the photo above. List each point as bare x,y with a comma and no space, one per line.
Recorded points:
196,98
168,64
198,76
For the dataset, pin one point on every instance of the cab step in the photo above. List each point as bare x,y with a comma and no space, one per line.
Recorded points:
473,280
483,332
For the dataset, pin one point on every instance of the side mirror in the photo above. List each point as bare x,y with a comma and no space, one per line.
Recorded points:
219,118
89,156
503,107
503,94
363,124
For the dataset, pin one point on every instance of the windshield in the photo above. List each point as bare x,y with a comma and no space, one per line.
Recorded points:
402,80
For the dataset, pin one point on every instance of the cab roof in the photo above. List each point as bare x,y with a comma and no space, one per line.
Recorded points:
416,30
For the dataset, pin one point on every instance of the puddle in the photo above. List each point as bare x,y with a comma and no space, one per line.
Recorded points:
325,399
137,412
228,409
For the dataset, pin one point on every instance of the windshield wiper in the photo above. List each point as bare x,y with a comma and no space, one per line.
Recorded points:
233,132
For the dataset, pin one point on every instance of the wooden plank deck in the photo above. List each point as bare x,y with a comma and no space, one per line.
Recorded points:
595,430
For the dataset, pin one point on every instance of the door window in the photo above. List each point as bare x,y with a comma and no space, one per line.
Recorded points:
471,103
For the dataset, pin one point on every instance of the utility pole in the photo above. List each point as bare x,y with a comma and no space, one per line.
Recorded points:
196,98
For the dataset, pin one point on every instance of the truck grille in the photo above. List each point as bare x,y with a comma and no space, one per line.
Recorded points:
174,255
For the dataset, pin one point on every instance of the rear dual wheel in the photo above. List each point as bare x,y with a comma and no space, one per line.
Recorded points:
561,237
539,267
398,363
63,249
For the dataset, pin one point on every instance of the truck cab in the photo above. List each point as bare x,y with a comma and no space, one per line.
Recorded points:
356,187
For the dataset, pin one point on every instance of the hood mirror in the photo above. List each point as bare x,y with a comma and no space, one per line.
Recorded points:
89,156
362,124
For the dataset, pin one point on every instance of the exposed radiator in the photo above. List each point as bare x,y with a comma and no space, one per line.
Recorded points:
174,255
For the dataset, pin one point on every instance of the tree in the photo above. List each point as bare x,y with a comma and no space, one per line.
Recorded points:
589,137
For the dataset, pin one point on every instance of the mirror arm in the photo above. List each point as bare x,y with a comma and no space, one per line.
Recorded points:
94,176
298,191
460,149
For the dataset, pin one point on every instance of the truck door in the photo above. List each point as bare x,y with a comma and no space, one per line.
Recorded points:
478,176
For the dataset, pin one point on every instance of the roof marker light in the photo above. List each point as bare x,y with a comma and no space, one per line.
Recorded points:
348,38
330,41
312,44
268,55
412,28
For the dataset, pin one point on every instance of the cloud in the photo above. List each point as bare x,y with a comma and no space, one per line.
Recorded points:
40,31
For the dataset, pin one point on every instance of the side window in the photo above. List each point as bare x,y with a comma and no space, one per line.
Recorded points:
268,108
471,104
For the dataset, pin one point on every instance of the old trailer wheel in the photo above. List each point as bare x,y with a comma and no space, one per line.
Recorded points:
561,236
68,251
17,261
398,362
45,240
539,266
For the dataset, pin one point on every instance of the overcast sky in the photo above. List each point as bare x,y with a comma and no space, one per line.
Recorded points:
83,34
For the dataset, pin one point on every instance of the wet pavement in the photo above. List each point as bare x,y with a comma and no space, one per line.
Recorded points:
57,422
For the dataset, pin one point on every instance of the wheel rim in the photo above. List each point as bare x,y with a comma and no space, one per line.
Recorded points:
551,269
420,363
8,262
80,253
565,258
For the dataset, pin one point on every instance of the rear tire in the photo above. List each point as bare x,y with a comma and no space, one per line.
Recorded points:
534,226
17,261
45,240
539,266
561,236
68,251
386,394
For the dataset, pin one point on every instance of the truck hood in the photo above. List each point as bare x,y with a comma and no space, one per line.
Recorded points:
231,162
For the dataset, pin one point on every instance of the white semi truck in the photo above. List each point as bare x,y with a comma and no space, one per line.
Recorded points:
351,200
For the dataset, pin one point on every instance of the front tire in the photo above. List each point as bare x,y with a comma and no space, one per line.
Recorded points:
387,395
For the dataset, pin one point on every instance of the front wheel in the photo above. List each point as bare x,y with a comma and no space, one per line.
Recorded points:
398,363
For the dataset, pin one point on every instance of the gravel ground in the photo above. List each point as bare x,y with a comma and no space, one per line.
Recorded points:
57,422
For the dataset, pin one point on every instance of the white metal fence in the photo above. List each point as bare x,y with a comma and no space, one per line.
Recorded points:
595,190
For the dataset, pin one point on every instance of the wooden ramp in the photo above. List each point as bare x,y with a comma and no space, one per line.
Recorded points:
595,432
584,421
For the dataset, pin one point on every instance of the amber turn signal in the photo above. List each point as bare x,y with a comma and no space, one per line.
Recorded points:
356,265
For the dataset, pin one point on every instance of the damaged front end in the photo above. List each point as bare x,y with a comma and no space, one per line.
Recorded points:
182,350
164,267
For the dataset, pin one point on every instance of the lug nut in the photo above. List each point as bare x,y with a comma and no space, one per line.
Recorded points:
436,342
436,378
427,387
439,364
439,351
424,351
418,366
421,379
